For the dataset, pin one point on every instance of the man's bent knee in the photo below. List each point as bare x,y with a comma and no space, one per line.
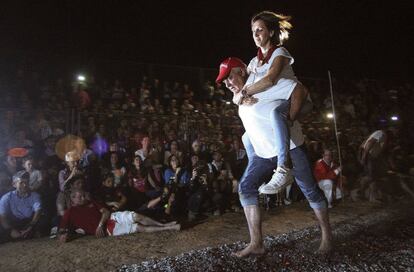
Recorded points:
248,200
321,205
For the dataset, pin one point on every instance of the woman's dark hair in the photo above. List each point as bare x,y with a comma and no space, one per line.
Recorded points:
27,158
118,164
170,158
143,171
275,22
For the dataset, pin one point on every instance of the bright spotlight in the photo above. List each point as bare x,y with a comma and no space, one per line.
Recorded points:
228,102
329,115
394,118
81,78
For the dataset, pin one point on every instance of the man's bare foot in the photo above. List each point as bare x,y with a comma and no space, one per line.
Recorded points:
325,247
249,251
170,223
176,227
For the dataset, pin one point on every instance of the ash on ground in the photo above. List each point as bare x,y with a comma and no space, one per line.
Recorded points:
373,244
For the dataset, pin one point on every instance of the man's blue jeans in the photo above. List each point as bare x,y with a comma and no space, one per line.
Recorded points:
259,170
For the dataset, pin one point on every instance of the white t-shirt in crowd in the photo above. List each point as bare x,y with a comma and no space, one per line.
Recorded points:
378,146
256,118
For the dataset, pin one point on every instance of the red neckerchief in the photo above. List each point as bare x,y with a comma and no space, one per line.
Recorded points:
263,59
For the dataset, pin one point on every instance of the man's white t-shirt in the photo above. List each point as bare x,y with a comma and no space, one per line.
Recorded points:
256,118
378,146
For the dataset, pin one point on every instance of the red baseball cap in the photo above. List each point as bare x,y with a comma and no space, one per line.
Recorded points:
226,66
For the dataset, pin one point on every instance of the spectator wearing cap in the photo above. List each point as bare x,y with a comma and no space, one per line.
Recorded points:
20,210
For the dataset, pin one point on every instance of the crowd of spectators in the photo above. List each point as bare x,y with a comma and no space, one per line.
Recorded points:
169,150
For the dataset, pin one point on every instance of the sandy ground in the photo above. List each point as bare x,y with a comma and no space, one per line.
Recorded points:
110,253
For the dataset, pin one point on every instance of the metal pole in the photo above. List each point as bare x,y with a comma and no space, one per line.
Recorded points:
336,132
79,123
72,121
67,121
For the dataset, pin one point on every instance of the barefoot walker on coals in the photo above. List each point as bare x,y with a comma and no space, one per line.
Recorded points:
263,86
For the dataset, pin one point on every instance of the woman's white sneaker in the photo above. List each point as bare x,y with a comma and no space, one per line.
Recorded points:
281,178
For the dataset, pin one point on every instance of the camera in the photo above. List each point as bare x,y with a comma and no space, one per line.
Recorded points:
172,185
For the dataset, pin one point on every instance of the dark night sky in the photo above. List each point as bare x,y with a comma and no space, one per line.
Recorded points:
355,38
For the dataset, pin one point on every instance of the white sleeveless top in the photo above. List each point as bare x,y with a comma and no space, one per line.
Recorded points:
256,118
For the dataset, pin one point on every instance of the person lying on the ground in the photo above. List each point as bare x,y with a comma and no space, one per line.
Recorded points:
94,219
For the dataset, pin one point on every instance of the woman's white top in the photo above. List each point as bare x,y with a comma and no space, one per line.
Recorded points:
256,117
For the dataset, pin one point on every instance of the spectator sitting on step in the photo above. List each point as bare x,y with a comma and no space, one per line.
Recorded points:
21,210
327,175
36,178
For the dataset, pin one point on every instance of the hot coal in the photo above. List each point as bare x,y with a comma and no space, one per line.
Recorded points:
374,244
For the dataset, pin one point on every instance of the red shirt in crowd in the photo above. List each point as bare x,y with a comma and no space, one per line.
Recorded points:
137,182
324,171
86,217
